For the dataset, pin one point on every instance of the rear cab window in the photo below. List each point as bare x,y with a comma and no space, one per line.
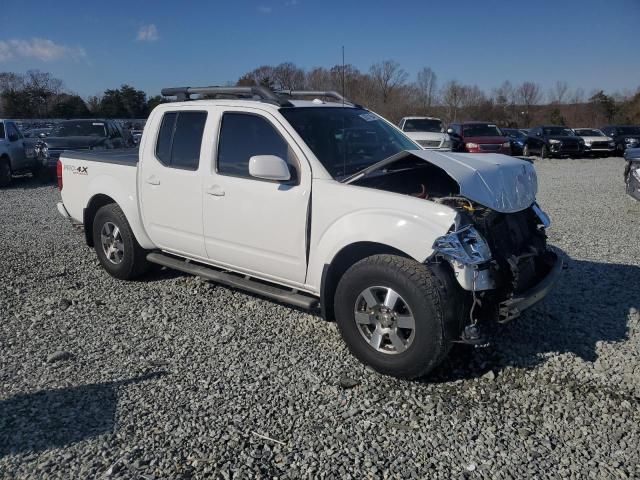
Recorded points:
180,139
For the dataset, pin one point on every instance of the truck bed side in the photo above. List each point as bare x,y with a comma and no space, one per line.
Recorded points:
89,177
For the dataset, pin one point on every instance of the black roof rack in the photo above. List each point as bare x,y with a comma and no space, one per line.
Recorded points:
264,94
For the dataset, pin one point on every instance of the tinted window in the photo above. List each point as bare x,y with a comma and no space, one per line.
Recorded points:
180,139
558,131
163,147
12,130
241,137
482,130
422,125
1,130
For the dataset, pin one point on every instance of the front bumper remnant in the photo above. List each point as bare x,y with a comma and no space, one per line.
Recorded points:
514,306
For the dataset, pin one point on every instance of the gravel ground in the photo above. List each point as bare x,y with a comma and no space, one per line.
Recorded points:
173,377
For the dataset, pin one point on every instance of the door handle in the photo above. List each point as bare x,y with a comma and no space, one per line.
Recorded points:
215,190
153,180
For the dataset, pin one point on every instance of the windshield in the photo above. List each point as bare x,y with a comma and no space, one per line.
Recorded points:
629,130
558,131
422,125
79,129
481,130
589,132
346,140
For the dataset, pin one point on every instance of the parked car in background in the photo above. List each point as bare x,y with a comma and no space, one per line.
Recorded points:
37,133
632,172
428,132
553,141
16,155
625,136
596,142
517,138
393,242
136,135
478,137
85,134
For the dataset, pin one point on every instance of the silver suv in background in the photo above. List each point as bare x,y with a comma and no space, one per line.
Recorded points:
15,155
428,132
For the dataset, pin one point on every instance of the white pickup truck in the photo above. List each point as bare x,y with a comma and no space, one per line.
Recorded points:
321,204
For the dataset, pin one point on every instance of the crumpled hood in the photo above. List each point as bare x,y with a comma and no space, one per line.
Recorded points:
502,183
62,143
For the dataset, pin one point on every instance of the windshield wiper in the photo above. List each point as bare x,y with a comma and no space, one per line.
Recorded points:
371,168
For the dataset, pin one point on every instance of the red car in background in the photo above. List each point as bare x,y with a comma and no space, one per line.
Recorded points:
478,137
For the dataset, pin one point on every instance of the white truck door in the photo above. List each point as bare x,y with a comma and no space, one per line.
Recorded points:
252,225
170,182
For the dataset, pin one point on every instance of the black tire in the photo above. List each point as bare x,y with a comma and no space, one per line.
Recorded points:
5,172
133,262
543,152
422,293
525,151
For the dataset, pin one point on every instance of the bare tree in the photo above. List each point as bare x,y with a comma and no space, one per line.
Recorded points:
426,85
288,77
387,76
528,94
452,97
262,76
559,92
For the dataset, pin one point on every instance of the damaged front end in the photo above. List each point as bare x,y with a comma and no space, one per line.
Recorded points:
497,249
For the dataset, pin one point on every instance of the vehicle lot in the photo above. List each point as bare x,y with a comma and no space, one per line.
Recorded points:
173,377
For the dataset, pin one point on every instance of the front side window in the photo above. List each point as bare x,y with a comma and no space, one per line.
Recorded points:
346,140
243,136
1,130
180,139
12,132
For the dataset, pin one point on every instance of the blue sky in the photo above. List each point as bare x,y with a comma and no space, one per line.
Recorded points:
152,44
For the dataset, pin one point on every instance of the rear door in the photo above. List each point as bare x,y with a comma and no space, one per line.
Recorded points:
169,181
252,225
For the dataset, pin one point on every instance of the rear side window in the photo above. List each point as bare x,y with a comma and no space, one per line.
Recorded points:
241,137
180,139
1,130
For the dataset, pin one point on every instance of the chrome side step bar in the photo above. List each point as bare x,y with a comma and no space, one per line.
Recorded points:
280,294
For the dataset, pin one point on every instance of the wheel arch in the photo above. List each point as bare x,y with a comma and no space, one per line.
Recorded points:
341,262
89,214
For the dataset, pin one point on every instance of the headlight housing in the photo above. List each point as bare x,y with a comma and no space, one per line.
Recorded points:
630,140
553,141
465,245
612,144
471,145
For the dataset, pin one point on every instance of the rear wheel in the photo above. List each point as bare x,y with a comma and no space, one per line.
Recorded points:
118,250
390,315
5,172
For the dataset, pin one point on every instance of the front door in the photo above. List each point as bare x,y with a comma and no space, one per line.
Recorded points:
169,182
15,142
252,225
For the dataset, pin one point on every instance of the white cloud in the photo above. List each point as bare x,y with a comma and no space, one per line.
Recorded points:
264,9
148,33
38,49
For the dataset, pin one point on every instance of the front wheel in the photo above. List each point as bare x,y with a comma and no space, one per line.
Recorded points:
544,152
5,173
390,315
118,250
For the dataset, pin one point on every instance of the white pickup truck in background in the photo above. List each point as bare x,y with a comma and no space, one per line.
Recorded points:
318,203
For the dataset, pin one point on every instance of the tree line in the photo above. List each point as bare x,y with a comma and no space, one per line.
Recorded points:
384,88
37,94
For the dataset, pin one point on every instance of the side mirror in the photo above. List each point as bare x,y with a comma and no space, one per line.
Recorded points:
269,167
450,131
538,134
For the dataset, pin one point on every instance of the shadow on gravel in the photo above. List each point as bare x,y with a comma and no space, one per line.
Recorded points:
590,304
27,182
56,418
